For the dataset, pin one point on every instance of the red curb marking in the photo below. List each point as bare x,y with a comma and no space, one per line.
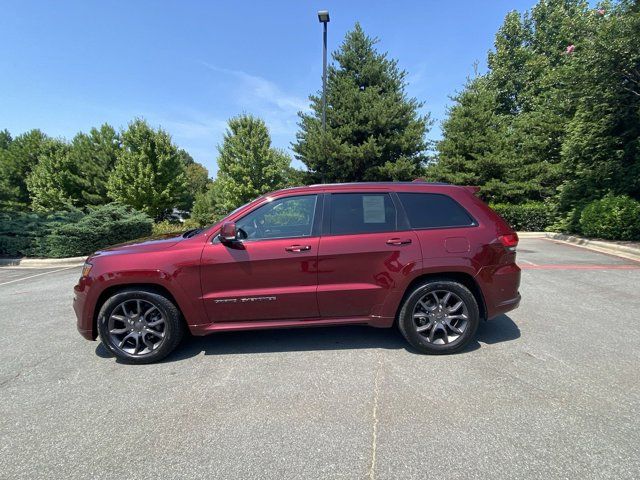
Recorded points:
579,267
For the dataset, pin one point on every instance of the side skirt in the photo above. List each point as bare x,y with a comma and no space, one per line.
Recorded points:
213,327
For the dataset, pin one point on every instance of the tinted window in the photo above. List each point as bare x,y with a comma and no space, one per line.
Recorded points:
432,210
362,213
281,218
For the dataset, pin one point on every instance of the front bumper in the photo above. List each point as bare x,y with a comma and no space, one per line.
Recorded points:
84,316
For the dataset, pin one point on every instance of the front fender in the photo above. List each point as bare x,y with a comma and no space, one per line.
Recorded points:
91,292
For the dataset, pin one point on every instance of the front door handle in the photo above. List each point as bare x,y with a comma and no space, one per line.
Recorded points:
298,248
399,241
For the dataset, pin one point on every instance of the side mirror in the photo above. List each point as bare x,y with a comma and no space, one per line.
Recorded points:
228,232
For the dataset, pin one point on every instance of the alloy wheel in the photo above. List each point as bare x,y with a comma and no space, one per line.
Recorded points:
137,327
441,317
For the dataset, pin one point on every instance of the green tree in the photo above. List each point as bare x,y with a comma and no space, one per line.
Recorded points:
474,148
74,174
205,205
5,139
601,153
373,130
509,126
507,63
94,156
197,177
248,166
16,162
55,182
149,175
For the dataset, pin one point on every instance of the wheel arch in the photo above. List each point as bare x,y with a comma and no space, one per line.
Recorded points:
113,289
464,278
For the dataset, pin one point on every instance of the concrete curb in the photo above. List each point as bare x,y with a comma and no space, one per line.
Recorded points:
42,262
532,234
625,251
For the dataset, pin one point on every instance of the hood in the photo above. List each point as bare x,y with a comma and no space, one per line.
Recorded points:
141,245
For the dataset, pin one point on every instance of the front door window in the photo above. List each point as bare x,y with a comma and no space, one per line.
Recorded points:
290,217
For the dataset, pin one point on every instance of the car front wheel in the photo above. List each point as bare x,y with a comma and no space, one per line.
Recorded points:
439,317
140,326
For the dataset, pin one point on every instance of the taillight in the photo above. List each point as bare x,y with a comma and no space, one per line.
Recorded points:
510,241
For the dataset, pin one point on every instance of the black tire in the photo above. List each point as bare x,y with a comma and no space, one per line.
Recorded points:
420,341
172,327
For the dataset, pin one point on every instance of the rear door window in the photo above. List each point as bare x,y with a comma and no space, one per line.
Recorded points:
434,210
353,213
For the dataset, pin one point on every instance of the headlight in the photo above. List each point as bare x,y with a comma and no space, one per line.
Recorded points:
86,268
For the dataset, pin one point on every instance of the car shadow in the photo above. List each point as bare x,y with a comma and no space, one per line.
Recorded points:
497,330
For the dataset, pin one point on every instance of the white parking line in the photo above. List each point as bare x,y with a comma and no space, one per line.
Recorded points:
37,275
527,261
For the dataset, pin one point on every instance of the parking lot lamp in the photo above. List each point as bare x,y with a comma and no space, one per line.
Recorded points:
323,17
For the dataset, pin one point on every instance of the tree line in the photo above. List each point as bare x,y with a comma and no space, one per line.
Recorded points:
556,119
138,166
550,128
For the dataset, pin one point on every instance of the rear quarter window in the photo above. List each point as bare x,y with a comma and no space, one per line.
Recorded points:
434,210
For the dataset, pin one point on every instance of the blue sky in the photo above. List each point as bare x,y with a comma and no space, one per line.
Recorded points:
190,65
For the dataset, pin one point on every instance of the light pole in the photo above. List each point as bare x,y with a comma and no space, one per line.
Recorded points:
323,17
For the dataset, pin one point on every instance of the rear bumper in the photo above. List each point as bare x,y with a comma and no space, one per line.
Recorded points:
506,306
500,286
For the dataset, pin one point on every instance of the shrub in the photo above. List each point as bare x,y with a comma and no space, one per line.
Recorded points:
526,217
164,227
101,227
14,246
72,233
22,234
613,218
570,221
18,233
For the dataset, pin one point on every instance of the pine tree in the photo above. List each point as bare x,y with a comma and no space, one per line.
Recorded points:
149,175
373,130
508,64
16,162
474,148
5,139
601,153
531,80
248,166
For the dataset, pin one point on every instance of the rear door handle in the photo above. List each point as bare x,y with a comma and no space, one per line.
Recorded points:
298,248
399,241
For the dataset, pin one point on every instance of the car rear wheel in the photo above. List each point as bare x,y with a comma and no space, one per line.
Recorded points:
439,316
140,326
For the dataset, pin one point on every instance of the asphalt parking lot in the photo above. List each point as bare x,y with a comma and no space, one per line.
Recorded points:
550,391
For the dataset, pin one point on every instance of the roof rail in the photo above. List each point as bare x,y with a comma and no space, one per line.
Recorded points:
423,180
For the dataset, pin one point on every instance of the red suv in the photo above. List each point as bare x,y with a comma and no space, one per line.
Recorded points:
431,258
